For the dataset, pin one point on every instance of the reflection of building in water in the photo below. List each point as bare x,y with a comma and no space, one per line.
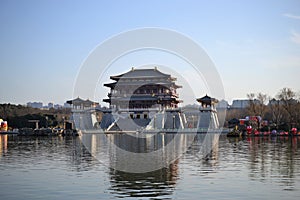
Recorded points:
3,144
137,153
215,149
155,184
152,152
149,143
206,147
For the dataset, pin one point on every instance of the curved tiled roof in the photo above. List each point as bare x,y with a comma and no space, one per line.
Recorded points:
207,99
79,101
141,73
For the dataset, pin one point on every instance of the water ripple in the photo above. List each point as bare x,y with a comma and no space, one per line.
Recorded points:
61,168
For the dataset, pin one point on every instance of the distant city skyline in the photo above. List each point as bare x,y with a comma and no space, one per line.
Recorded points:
37,104
255,45
222,103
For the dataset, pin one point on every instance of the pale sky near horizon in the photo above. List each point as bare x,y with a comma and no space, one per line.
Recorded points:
254,44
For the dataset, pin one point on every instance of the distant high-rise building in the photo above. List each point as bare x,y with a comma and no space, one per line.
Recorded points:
240,103
35,104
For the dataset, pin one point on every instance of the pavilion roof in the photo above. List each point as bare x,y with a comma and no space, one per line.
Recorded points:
79,101
141,83
207,99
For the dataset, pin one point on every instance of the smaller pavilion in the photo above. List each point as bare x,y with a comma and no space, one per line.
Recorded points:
208,114
207,104
80,104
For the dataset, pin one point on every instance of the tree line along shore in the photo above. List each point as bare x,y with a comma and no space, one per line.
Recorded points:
19,116
281,112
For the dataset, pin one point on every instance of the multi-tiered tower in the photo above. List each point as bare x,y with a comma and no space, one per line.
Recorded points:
139,95
142,89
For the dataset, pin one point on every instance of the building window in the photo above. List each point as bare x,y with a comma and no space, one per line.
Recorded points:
145,116
138,116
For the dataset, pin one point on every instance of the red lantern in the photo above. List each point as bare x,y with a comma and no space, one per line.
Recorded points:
294,131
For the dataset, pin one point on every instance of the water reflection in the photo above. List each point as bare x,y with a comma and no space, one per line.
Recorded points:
249,167
274,157
30,150
3,144
137,153
160,183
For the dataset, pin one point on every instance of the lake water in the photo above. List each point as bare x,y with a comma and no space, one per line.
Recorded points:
63,168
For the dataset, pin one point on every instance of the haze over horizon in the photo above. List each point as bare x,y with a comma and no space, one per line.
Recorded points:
255,45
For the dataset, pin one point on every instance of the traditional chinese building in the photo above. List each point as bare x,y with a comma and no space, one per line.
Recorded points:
144,99
83,113
142,89
80,104
208,113
140,94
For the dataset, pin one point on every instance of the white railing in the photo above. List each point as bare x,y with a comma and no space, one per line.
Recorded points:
138,109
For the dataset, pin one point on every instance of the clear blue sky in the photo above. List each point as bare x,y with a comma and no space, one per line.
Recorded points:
254,44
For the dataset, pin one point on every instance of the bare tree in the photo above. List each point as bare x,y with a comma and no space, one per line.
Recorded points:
261,107
276,110
252,108
297,111
257,104
289,103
